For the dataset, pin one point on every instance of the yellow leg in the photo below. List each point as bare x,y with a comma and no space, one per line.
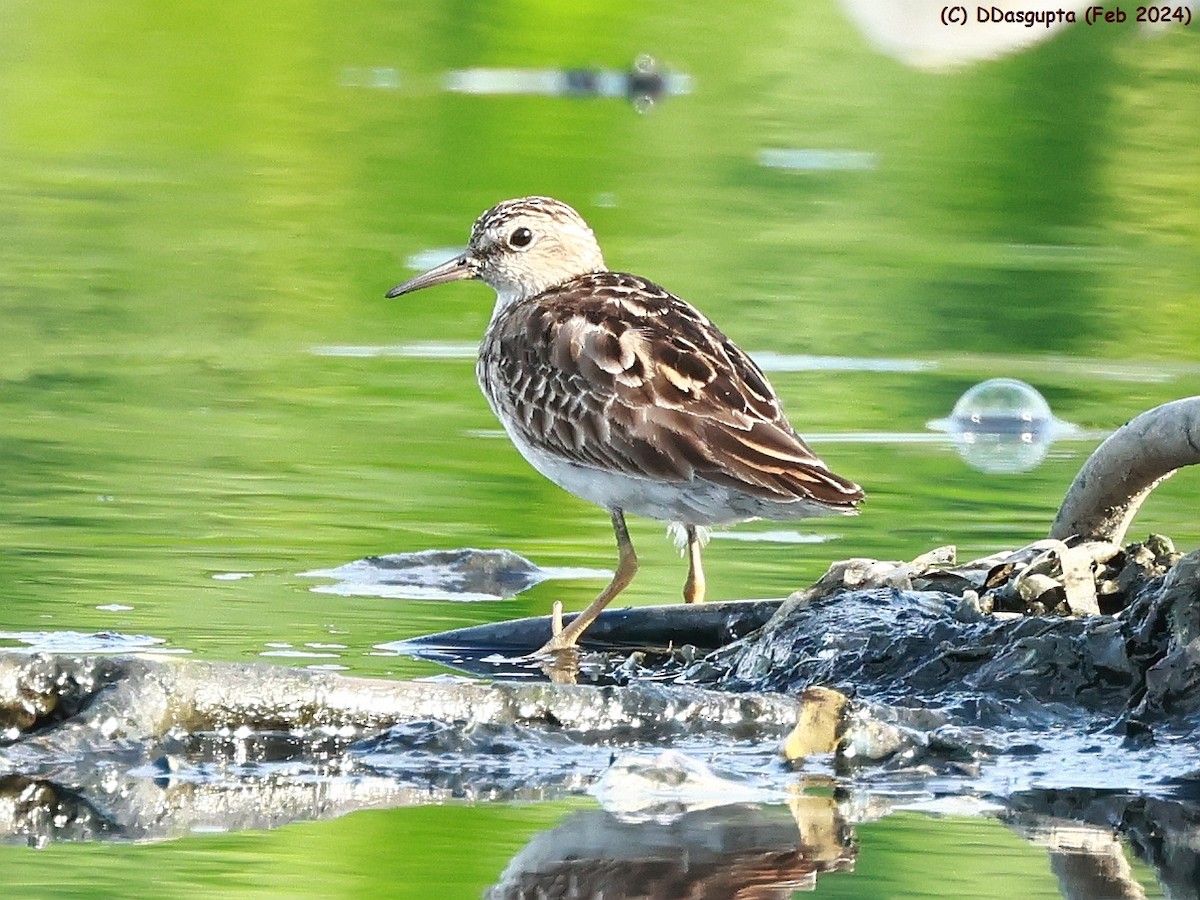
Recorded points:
693,588
627,566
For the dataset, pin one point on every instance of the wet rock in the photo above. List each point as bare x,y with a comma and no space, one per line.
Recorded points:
1181,596
1058,630
863,574
483,760
1172,684
896,646
106,803
36,691
869,739
222,746
438,574
161,734
820,724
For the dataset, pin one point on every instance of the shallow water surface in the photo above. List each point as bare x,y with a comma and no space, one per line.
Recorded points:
206,396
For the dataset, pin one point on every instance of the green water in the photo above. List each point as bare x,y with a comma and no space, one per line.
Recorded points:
194,198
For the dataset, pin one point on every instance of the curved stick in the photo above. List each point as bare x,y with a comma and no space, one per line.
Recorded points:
1121,473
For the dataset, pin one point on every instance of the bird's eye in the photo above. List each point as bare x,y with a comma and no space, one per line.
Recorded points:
520,238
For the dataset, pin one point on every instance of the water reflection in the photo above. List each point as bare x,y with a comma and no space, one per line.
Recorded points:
643,84
731,851
423,350
1086,832
434,256
662,787
770,361
737,849
814,160
1074,368
377,77
1087,861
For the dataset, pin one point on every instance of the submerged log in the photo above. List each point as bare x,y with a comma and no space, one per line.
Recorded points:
61,703
705,626
121,748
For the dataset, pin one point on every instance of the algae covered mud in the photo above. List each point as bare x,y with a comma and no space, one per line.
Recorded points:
1053,688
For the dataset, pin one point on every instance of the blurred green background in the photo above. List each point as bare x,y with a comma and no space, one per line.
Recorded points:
196,198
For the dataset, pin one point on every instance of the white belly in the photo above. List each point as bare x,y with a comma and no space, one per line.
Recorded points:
694,502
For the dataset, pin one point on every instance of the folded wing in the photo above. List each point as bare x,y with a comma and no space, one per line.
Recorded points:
620,374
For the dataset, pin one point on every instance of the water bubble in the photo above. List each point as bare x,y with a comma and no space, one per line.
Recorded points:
1002,405
1002,425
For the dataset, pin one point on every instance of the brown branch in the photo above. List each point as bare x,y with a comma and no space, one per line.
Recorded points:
1121,473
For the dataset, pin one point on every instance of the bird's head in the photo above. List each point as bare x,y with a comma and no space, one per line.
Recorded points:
520,248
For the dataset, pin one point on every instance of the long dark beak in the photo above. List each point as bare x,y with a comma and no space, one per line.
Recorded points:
460,268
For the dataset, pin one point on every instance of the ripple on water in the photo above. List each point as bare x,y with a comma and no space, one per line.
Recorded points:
80,642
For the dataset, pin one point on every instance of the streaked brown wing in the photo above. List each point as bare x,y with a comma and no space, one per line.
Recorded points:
613,371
